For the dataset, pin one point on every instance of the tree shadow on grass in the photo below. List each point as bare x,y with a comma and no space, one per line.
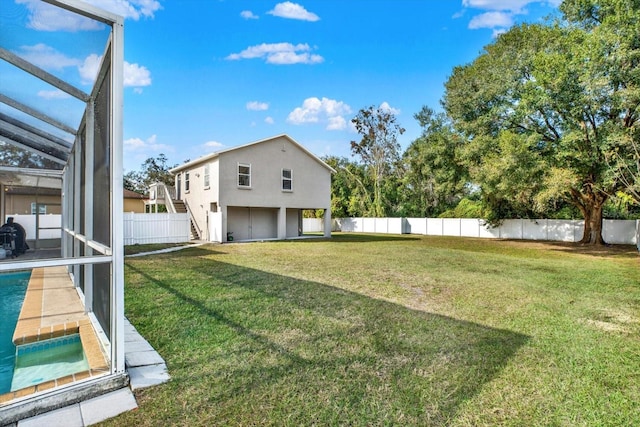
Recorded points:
277,350
340,237
599,251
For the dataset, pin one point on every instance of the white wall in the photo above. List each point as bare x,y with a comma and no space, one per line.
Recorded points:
613,231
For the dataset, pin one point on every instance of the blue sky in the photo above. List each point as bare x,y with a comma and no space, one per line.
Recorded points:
204,75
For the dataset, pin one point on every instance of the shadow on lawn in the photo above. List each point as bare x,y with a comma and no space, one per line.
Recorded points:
311,353
600,251
341,237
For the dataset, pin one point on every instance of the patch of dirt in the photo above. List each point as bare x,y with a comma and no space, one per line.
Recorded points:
606,326
613,321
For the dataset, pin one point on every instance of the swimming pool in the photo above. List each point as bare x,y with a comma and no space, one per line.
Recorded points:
13,287
48,360
37,362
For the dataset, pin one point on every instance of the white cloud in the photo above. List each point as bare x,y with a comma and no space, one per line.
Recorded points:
508,5
499,14
337,123
89,68
291,10
213,144
269,120
491,20
131,9
257,106
314,110
45,17
135,75
388,108
150,145
247,14
46,57
53,94
279,53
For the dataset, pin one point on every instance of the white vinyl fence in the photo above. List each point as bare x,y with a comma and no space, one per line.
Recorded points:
49,225
626,232
312,225
174,228
141,228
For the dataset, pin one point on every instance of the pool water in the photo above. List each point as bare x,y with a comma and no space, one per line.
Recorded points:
13,287
43,361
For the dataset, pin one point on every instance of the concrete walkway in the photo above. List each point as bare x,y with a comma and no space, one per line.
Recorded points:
195,244
145,367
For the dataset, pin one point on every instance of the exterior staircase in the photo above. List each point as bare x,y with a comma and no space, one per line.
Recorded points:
179,206
162,194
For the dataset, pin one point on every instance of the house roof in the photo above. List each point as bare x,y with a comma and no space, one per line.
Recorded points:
217,153
32,191
128,194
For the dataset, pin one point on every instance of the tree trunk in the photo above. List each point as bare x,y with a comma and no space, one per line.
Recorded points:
590,204
593,227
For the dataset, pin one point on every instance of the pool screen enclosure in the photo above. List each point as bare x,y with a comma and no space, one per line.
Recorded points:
85,151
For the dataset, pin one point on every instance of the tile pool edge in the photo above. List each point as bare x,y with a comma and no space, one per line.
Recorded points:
95,358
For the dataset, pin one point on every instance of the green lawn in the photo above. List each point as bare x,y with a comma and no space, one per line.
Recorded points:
381,330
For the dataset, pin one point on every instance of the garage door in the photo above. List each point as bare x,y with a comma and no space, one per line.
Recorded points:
252,223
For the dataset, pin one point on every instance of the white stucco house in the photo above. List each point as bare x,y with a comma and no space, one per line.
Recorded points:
255,191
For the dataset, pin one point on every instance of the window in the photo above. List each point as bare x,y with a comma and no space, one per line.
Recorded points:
41,208
206,176
186,181
287,180
244,175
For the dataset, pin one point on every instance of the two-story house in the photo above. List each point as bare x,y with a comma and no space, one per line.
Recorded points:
256,191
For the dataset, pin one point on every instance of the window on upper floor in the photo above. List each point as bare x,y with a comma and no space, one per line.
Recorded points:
287,180
244,175
206,176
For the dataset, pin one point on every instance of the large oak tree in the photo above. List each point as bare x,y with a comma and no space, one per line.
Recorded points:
551,111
